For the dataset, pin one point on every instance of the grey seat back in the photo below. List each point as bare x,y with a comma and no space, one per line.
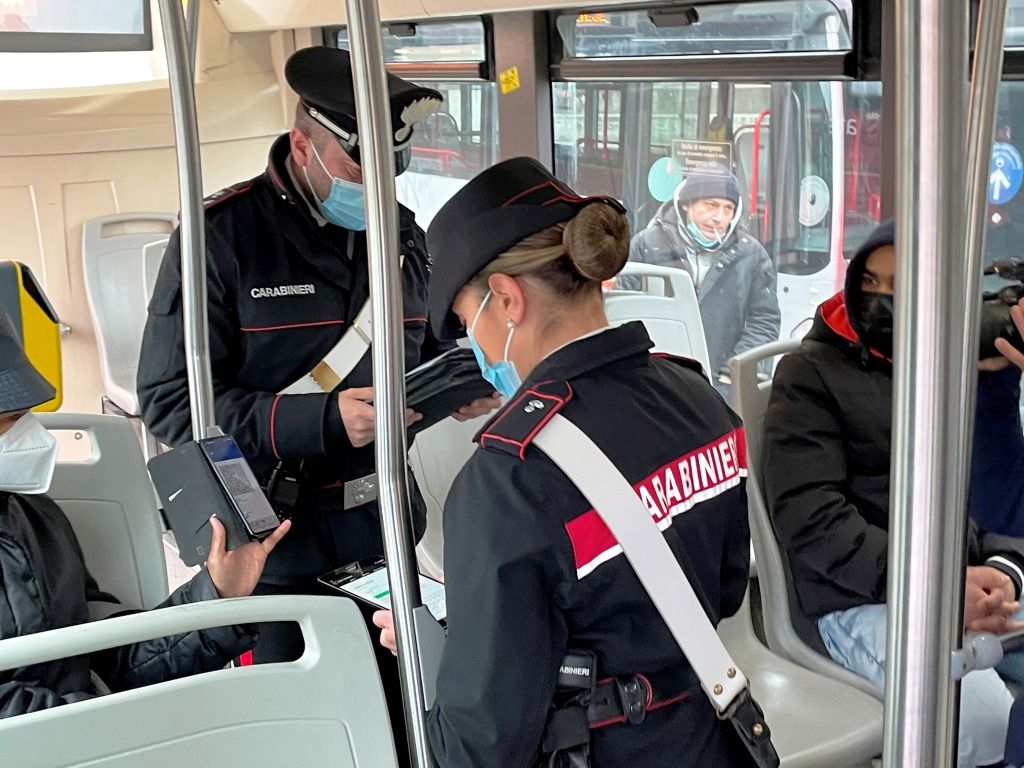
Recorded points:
666,303
120,256
107,496
750,397
324,709
815,720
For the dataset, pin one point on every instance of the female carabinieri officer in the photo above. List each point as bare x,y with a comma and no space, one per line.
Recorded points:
538,590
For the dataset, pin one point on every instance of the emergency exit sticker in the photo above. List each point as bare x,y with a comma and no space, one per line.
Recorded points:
708,158
509,80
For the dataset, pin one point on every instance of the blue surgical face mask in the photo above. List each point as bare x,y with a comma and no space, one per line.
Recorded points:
709,243
345,205
503,375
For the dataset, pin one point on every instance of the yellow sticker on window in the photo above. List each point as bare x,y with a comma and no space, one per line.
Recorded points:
509,80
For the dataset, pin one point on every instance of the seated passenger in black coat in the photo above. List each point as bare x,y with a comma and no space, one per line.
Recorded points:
45,584
826,477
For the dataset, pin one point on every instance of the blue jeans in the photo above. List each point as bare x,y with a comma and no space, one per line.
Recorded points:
855,638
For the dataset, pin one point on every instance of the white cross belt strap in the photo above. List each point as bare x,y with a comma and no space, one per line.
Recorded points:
650,555
641,541
341,360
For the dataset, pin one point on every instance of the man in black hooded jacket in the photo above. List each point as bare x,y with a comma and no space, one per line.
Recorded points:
826,476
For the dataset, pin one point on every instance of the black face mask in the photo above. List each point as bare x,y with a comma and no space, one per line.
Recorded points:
875,317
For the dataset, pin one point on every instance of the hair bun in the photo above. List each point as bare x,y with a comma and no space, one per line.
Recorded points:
596,241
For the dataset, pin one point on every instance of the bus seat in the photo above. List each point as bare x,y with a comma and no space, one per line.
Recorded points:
667,305
815,721
750,397
325,708
436,457
107,496
120,256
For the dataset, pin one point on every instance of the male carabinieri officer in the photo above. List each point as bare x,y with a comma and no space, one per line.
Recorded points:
288,289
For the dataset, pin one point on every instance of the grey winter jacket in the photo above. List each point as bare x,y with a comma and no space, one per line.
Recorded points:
44,585
738,304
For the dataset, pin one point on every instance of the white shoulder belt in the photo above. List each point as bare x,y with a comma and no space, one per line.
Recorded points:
343,357
341,360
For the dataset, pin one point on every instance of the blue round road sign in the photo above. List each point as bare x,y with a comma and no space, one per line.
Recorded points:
1005,173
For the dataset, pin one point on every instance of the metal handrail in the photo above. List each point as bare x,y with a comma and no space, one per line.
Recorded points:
981,116
927,498
377,159
192,229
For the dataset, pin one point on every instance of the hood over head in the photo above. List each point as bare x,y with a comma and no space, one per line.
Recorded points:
883,234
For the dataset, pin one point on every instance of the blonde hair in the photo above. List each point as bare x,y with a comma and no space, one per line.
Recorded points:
571,257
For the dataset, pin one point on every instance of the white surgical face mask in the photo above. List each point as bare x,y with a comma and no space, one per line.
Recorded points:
28,455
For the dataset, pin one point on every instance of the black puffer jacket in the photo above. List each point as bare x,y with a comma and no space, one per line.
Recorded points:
826,466
738,303
44,585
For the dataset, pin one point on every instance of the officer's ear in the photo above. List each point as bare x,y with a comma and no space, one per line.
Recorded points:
509,295
302,146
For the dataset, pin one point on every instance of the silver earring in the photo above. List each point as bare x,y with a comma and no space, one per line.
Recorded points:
510,324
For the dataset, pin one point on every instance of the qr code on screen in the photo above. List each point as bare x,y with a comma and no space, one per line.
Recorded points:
236,480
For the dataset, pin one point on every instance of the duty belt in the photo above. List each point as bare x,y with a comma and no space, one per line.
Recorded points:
588,704
284,487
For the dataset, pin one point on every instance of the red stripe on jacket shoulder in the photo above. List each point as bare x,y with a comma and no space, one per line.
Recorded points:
675,488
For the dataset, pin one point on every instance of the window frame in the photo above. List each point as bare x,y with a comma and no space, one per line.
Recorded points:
734,67
449,71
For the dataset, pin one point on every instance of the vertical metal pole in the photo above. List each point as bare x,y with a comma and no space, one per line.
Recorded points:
378,164
192,27
192,228
926,559
981,118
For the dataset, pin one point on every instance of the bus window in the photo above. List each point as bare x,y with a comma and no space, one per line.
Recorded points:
1005,234
1014,37
793,25
797,150
461,139
55,46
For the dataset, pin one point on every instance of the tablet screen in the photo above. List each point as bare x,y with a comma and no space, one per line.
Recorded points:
373,588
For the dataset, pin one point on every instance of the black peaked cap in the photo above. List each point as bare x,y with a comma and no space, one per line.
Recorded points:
21,385
322,77
501,206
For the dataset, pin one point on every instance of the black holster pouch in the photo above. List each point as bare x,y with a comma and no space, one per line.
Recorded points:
582,703
747,719
283,488
566,741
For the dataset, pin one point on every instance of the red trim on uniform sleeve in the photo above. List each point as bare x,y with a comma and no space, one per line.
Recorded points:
262,328
273,436
415,320
741,447
589,536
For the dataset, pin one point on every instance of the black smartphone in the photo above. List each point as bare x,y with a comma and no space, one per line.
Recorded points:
367,580
240,485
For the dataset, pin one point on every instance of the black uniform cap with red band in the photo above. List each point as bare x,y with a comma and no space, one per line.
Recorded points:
322,77
503,205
